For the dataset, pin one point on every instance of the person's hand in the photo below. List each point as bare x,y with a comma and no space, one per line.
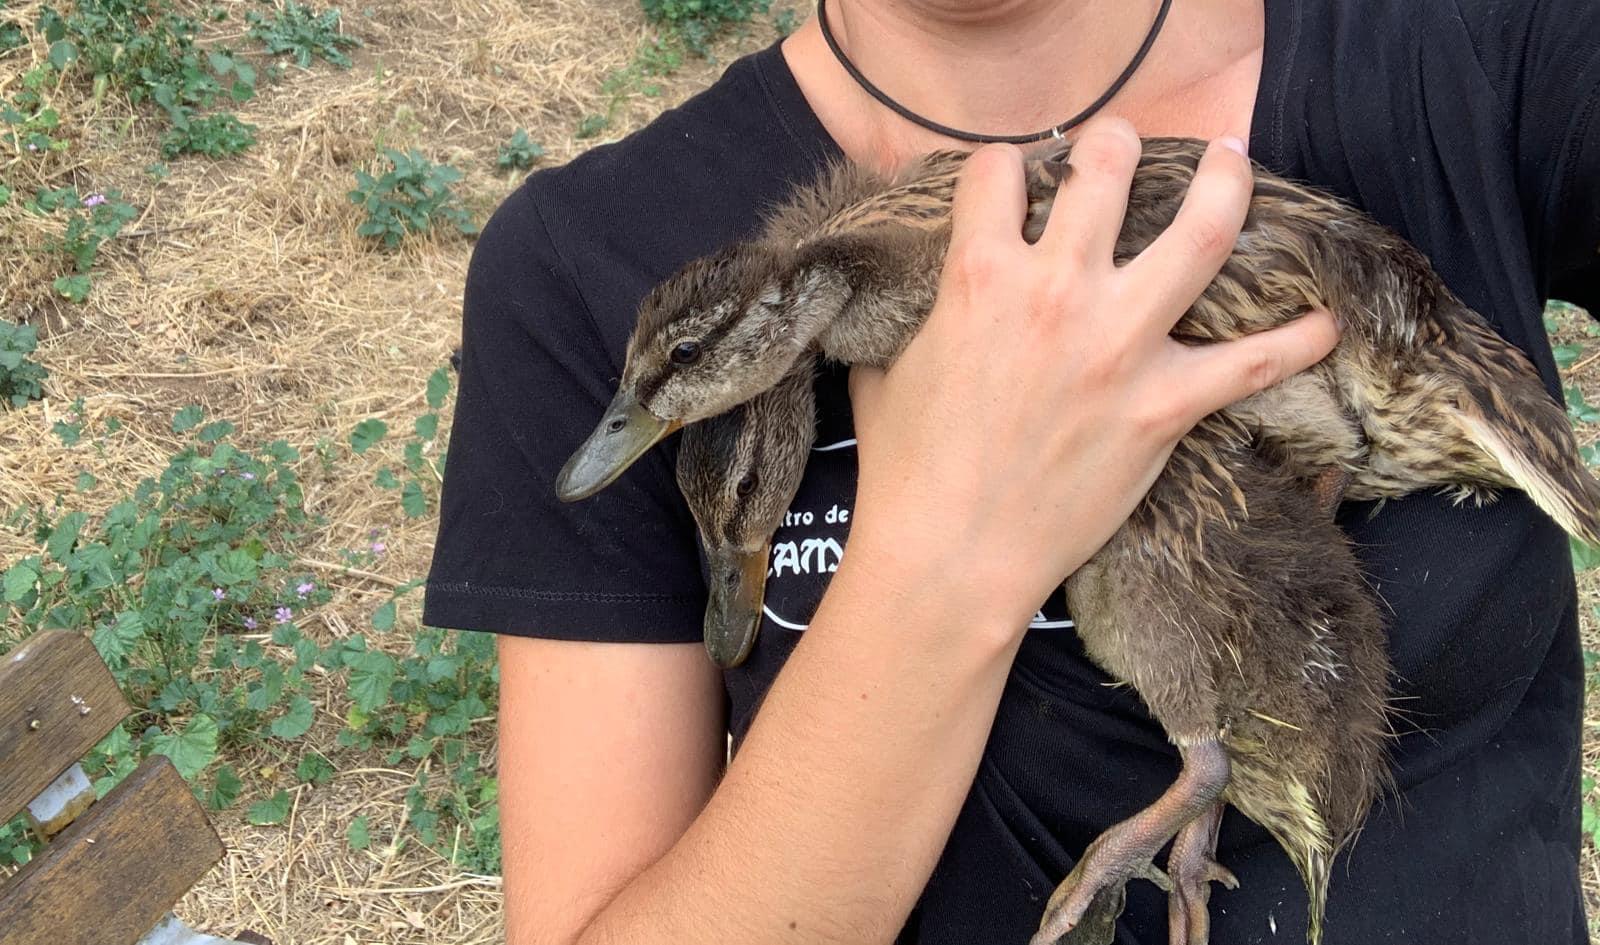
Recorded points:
1037,405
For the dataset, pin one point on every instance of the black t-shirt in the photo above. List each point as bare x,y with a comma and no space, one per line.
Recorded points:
1467,126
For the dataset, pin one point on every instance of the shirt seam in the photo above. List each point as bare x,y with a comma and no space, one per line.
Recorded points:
469,589
1281,92
569,273
781,112
1502,108
1573,149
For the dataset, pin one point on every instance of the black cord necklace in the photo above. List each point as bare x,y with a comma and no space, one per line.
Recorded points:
1052,132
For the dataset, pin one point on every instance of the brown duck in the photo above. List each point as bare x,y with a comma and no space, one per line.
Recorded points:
1264,664
1284,702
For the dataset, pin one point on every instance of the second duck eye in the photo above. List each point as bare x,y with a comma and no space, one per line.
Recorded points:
686,352
746,485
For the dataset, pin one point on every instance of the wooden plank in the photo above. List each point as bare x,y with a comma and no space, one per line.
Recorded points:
108,878
57,699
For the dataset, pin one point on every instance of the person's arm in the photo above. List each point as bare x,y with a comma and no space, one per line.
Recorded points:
1011,439
607,752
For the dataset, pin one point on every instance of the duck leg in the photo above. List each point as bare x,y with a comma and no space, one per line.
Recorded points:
1084,908
1329,489
1192,867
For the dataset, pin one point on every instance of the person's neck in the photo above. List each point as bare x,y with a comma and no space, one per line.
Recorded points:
1012,66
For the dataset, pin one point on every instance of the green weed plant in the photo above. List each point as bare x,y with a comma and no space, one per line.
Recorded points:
304,34
413,196
146,51
21,378
519,153
699,22
191,590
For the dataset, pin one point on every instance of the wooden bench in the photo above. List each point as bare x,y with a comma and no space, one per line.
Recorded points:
113,868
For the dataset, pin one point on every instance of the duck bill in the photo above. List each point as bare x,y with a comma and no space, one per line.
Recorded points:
733,614
624,434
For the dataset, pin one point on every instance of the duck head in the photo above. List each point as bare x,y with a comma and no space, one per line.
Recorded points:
722,330
739,472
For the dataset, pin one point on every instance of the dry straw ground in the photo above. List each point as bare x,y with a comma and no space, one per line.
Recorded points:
243,287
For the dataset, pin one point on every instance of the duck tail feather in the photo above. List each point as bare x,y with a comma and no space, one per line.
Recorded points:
1501,406
1535,450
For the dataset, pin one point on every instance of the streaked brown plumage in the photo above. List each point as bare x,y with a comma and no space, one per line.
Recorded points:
1228,599
1264,635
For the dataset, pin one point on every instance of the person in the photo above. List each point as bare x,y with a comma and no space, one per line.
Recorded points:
920,748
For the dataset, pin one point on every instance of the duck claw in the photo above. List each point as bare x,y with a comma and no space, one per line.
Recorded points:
1084,908
1193,869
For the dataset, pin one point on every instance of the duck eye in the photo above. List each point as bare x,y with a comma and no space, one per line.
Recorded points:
746,485
687,352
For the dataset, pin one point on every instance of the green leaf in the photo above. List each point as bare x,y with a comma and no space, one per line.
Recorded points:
285,634
115,641
385,479
1566,355
65,535
212,432
357,834
372,673
297,721
191,751
383,617
74,288
1585,557
187,419
86,481
366,433
413,501
115,744
427,426
20,579
314,769
225,790
438,388
62,53
68,433
273,810
235,566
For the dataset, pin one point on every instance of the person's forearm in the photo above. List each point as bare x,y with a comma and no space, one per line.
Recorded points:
832,815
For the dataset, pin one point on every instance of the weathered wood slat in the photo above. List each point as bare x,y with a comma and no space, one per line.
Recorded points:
109,877
57,699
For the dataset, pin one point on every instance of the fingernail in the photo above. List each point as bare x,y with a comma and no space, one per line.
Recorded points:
1236,145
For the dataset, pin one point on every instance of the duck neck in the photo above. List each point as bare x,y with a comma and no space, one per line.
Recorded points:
884,285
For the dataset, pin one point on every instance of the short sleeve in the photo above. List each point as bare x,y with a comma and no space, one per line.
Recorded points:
1544,58
535,377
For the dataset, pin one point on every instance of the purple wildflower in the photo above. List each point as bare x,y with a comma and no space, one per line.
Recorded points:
218,593
379,547
94,200
283,615
248,476
305,589
32,146
250,623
